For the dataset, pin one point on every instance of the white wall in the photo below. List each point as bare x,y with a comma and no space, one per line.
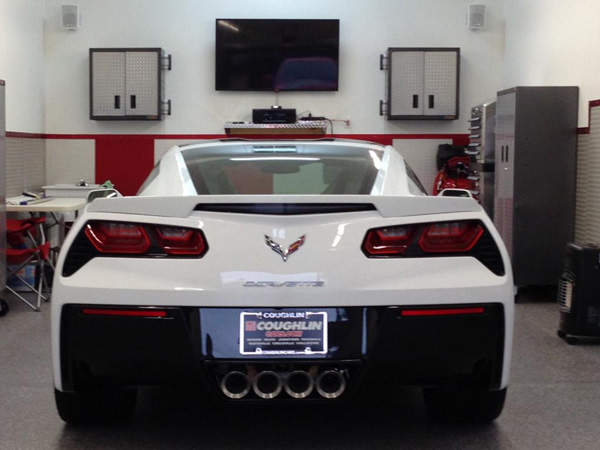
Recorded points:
186,29
22,63
554,42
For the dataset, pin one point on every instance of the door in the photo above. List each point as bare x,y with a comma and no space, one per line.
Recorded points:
440,83
142,83
406,83
108,83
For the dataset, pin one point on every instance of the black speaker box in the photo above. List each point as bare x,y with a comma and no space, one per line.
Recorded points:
274,115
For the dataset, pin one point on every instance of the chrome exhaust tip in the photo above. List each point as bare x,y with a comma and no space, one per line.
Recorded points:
299,384
331,384
267,384
235,385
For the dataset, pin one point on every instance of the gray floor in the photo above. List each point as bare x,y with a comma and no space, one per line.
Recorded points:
553,403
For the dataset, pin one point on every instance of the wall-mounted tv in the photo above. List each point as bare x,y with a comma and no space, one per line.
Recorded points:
277,54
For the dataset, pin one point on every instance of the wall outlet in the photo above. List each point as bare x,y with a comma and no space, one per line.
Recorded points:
347,122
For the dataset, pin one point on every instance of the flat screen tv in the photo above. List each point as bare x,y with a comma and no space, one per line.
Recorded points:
277,54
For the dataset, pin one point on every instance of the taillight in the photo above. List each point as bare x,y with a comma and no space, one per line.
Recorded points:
433,239
118,237
146,313
180,241
450,237
421,239
388,241
140,239
441,312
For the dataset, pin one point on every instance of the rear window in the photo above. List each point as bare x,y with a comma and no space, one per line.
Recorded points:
281,174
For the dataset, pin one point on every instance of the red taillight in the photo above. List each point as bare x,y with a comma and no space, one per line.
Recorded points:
117,237
125,312
180,241
417,240
450,237
388,241
441,312
139,239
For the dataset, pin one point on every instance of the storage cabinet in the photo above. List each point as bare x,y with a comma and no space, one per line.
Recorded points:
421,83
534,193
127,84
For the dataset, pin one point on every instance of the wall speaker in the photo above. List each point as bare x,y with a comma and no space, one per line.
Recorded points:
476,17
70,17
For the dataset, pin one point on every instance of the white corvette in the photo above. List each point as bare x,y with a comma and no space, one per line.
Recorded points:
266,271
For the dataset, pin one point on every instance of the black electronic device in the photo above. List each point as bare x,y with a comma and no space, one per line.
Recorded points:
579,293
274,115
277,54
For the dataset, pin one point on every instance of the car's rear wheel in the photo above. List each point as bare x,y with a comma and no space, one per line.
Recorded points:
452,404
98,406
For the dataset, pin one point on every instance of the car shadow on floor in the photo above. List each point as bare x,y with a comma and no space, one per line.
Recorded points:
171,418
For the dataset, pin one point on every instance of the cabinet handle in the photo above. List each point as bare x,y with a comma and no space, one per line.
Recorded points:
506,153
382,105
117,102
502,159
431,101
133,102
415,101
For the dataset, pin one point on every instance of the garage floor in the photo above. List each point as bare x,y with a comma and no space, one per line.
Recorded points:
553,403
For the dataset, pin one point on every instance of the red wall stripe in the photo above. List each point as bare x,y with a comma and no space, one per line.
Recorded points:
125,161
16,134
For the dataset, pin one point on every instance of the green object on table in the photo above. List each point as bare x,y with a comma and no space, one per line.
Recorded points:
108,185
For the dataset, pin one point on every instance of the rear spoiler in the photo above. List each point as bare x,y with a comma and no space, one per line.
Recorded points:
387,206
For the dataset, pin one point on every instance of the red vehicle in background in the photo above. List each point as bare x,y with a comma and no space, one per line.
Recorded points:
454,171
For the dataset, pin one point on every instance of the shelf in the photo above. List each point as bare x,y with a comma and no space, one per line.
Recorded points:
304,127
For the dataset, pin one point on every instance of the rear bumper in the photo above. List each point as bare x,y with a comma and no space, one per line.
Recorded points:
443,344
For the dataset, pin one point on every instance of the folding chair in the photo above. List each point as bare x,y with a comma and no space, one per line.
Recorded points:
27,250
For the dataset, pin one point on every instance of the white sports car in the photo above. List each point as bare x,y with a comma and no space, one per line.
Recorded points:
300,271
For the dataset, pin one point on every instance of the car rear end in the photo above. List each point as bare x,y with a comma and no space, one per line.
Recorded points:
299,298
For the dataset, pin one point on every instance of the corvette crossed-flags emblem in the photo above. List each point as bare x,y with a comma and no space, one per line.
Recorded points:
277,248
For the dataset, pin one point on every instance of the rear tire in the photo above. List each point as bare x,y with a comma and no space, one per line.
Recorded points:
450,404
93,407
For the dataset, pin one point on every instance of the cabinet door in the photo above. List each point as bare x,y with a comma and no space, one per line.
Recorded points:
509,170
505,164
108,83
499,175
406,83
142,83
440,83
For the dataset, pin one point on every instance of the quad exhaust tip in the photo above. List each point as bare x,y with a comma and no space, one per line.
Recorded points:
331,384
235,385
267,384
299,384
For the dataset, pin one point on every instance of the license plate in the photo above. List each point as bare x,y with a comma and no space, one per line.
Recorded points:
266,333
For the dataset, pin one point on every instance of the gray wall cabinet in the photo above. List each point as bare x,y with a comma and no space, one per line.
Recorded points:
421,83
127,84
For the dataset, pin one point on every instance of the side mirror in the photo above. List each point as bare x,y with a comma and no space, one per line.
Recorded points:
102,193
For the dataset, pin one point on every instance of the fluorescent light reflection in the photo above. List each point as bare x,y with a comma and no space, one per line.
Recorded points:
276,158
226,24
340,232
376,160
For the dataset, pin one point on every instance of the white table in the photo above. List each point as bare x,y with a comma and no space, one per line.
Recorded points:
51,205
